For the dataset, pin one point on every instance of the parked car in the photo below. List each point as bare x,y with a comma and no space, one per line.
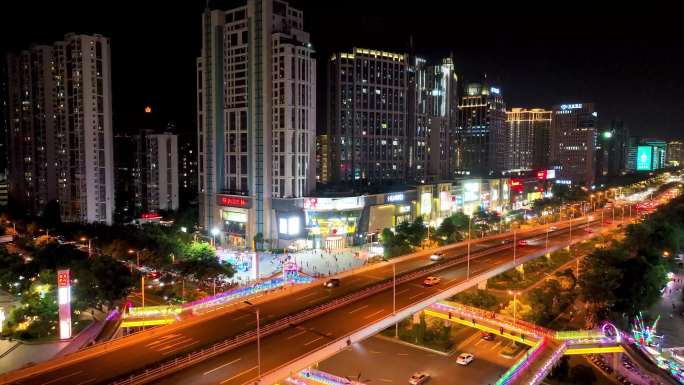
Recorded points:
465,359
437,257
553,228
418,378
522,243
588,230
332,282
431,281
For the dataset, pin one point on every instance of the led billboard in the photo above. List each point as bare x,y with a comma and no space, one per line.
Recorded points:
644,158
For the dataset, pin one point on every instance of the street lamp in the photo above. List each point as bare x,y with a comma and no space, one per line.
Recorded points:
258,328
214,233
470,219
142,282
83,239
184,229
515,305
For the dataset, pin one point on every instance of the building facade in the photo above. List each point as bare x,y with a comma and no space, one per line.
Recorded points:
573,142
188,169
675,153
156,182
612,150
256,84
527,139
60,123
322,159
480,135
367,116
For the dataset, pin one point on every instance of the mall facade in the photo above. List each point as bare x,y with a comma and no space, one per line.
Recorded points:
324,222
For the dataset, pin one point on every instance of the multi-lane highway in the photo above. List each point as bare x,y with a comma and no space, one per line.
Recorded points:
109,361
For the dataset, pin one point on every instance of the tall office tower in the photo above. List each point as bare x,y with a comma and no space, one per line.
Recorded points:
61,128
125,175
256,88
4,121
573,141
322,159
659,151
433,99
367,121
480,135
156,181
527,139
632,144
675,153
612,150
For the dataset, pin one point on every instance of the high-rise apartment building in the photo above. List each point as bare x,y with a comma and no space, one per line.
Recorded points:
156,187
433,99
256,98
480,135
322,159
367,115
527,139
187,183
60,123
675,153
573,142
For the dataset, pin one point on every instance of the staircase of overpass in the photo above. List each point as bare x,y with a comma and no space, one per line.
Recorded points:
337,321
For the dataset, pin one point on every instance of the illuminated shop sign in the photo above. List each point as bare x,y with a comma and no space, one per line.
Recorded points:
444,201
404,209
233,201
516,185
563,181
64,303
426,203
325,204
571,106
471,191
550,174
395,197
150,216
233,216
644,158
494,90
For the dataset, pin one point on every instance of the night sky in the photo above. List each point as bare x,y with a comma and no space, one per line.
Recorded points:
630,66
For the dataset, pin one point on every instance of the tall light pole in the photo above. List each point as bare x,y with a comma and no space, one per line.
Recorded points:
515,245
258,328
142,281
470,219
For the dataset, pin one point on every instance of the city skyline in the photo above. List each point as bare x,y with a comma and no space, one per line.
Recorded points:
615,66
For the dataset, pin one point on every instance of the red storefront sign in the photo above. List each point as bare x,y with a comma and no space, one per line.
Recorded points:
63,278
233,201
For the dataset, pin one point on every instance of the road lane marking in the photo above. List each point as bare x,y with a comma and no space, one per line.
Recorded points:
239,374
162,340
496,346
63,377
241,317
416,295
179,348
221,366
318,299
175,343
376,313
361,308
479,342
403,291
402,354
86,381
312,341
296,335
385,379
306,296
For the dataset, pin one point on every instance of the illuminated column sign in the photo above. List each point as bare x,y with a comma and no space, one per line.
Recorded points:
64,302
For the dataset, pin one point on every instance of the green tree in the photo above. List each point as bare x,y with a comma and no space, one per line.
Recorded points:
114,280
415,232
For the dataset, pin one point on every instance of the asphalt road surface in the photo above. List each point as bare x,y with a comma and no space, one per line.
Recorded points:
383,361
239,365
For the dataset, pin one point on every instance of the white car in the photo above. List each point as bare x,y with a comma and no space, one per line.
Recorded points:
465,358
418,378
437,257
431,281
553,228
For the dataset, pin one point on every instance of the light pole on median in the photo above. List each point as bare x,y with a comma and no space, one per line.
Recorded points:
258,328
470,219
515,245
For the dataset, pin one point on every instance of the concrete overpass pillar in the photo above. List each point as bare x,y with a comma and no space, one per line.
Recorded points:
482,285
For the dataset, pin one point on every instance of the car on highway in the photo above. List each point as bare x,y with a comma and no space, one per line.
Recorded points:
465,359
431,281
488,336
553,228
522,243
333,282
588,230
419,378
607,222
437,257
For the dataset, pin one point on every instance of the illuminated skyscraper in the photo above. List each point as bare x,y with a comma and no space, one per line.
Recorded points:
527,139
480,136
573,142
256,118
